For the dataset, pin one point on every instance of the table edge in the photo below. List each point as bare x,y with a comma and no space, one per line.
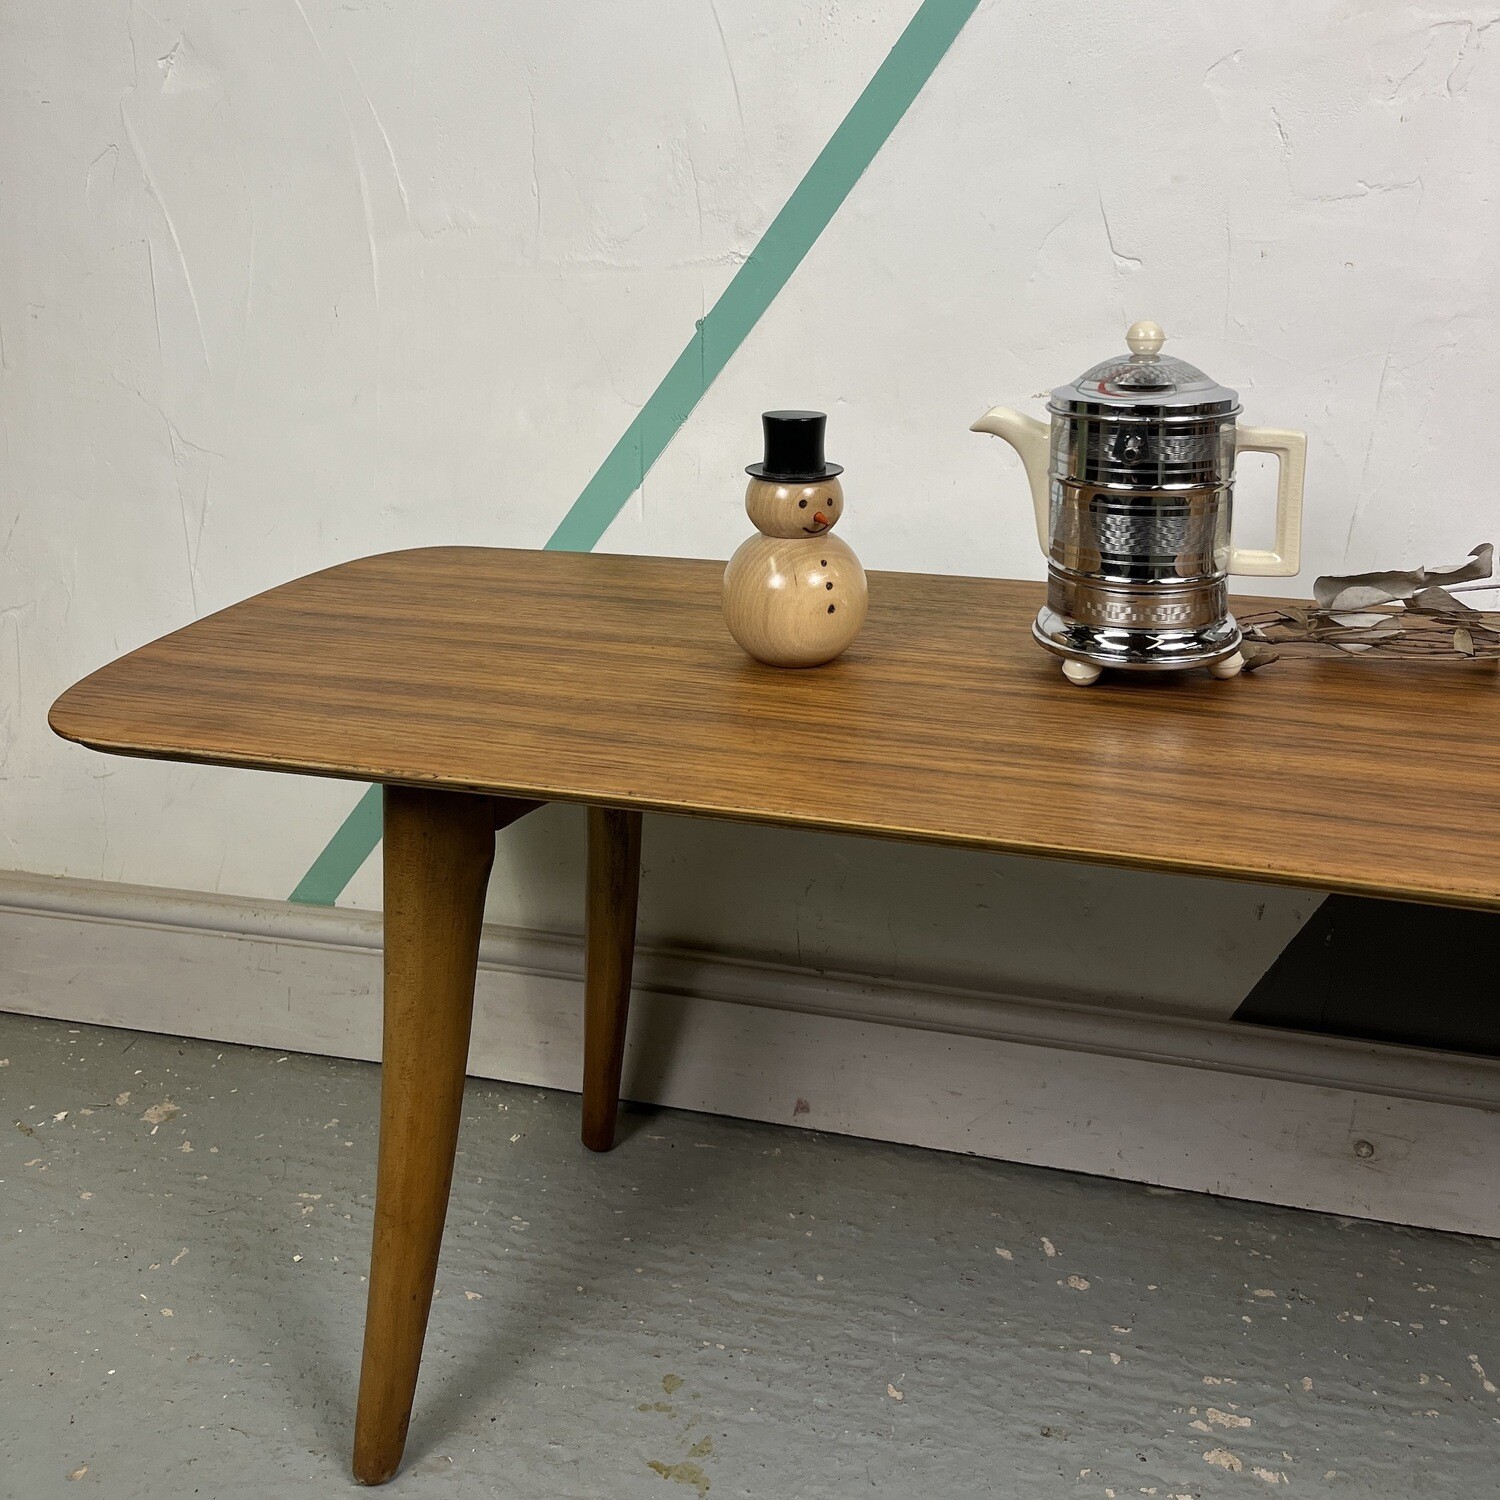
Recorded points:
1476,900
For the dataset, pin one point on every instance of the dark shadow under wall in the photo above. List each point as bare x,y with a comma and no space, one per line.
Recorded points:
1387,971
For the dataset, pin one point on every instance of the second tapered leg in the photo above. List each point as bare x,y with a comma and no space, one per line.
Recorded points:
438,851
614,873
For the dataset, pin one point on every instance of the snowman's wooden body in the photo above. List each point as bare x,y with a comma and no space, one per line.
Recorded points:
794,596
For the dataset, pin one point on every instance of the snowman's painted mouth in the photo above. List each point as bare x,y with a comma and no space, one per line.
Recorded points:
816,530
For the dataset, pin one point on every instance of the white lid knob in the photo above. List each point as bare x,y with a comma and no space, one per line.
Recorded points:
1145,338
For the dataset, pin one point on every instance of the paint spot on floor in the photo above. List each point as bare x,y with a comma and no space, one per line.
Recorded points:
1078,1283
159,1114
1225,1418
79,1472
671,1384
894,1394
683,1473
1224,1459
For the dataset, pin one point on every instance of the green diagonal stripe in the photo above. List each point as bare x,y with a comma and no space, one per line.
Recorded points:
791,234
344,853
766,270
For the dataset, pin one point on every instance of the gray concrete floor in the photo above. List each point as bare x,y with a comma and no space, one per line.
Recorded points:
716,1306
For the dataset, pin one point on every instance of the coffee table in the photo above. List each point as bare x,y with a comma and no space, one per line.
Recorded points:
476,684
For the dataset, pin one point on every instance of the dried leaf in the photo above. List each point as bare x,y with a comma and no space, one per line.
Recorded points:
1258,656
1480,563
1359,621
1360,590
1406,616
1437,601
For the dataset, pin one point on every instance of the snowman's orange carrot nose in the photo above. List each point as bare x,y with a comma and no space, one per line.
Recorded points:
820,518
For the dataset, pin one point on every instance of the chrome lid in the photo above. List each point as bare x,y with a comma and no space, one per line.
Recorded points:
1144,380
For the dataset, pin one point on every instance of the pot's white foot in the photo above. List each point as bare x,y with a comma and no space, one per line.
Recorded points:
1082,673
1229,667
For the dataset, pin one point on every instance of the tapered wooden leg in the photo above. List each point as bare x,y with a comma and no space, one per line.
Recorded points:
614,879
438,851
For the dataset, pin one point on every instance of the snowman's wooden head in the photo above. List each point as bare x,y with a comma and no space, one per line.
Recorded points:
794,510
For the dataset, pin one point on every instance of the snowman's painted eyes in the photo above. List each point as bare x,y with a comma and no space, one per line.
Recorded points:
802,504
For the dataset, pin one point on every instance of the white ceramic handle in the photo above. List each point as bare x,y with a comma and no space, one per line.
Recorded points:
1284,560
1033,441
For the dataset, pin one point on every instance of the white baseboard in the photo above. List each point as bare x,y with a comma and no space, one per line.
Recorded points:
1242,1111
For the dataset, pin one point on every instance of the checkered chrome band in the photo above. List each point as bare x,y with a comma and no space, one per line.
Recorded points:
1151,608
1139,539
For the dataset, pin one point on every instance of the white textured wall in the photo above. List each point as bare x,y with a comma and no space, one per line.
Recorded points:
290,282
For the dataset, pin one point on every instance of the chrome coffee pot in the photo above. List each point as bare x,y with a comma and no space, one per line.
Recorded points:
1133,487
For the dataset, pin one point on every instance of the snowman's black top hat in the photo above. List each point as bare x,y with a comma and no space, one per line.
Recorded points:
794,448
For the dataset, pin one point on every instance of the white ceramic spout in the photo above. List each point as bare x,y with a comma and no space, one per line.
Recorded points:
1032,440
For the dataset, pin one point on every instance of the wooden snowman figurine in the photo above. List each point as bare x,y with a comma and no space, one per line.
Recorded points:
794,596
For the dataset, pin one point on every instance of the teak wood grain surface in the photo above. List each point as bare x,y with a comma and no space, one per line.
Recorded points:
613,681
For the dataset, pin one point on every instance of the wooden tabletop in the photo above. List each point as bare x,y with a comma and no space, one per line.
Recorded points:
612,680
